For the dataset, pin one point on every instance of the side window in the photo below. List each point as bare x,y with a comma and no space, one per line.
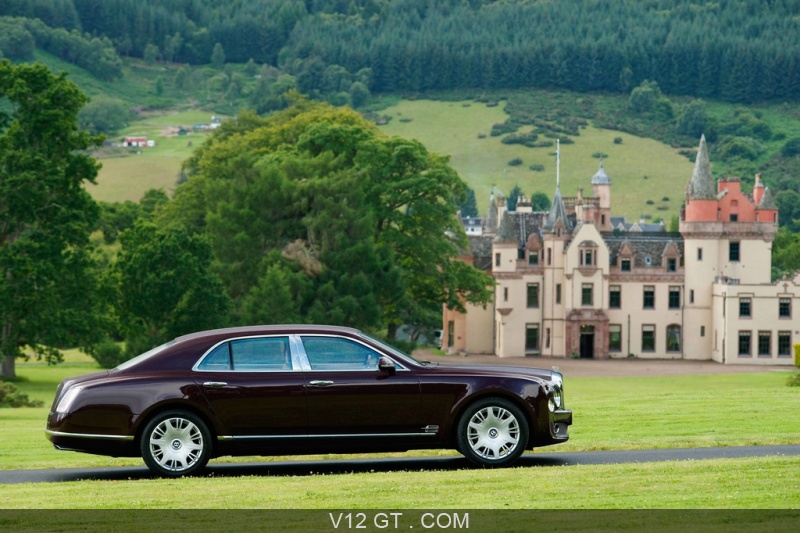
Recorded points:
334,353
218,359
261,354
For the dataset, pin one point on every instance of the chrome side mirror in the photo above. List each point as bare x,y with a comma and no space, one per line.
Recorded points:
386,365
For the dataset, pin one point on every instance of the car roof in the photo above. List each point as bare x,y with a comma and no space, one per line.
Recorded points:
269,329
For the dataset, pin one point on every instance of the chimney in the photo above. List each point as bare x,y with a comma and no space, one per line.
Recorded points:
758,190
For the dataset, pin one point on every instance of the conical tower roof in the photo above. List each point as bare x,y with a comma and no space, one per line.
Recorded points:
767,202
506,233
601,178
701,186
491,216
557,213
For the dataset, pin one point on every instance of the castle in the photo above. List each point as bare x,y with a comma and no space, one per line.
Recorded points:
577,282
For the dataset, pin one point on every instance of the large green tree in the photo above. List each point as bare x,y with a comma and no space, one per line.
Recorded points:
360,229
47,278
166,288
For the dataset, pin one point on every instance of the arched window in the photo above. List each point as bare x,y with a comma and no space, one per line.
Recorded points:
673,338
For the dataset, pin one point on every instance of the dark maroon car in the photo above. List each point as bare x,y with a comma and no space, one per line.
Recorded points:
281,390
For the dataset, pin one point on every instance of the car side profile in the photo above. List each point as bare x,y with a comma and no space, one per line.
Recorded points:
293,390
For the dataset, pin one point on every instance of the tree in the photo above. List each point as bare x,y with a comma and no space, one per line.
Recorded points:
218,56
692,120
166,288
469,207
151,53
48,289
361,228
511,202
104,115
540,201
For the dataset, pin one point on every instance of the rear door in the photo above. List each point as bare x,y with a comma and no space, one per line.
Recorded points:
255,387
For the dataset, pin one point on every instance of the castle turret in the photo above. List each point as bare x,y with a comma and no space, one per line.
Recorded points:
601,186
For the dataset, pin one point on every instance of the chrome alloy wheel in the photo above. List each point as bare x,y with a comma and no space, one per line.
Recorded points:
493,433
176,444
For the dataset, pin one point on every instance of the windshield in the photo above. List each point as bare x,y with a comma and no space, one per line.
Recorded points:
394,351
146,355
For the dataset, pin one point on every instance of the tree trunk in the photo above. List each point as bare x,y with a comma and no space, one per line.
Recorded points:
7,369
391,331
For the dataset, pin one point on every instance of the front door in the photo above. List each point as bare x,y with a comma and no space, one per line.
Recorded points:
587,342
347,394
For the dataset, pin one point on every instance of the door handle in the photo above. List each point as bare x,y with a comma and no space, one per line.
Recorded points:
215,384
321,383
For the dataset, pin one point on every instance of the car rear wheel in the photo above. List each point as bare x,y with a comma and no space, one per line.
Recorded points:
492,432
176,443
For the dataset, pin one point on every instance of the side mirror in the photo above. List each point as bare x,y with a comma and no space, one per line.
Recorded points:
386,365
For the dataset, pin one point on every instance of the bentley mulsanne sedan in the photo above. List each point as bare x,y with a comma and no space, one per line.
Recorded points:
293,390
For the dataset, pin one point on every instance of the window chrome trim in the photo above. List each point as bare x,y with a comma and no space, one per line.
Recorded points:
296,362
299,357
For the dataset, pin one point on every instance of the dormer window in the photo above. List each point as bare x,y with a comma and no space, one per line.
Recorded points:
587,257
625,265
533,258
672,264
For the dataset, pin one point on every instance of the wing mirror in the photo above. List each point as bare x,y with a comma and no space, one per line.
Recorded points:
386,365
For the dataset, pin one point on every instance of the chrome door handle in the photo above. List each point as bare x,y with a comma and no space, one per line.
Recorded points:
215,384
320,383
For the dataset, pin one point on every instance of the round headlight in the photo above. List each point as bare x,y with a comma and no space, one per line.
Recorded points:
557,398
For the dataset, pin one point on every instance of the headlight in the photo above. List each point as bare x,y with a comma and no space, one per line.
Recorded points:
67,400
556,400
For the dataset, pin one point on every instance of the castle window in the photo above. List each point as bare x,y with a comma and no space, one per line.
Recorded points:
614,297
672,264
784,343
533,258
745,307
558,293
625,265
497,260
691,296
733,252
649,300
744,344
614,338
587,258
673,338
785,308
648,338
702,331
505,294
533,295
734,218
674,297
699,254
648,260
532,338
548,257
764,343
587,294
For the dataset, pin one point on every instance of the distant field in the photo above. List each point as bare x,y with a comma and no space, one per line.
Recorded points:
452,128
128,173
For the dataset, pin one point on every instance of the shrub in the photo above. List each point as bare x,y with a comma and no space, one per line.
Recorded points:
515,162
481,136
537,168
617,140
665,199
599,155
406,119
10,396
650,202
791,148
109,354
794,379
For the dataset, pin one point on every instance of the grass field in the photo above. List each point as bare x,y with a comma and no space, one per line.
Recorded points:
128,173
610,413
451,128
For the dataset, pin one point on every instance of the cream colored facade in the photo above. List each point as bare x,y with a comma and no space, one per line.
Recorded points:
572,282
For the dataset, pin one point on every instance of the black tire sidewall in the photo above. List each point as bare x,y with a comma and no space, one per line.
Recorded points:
152,464
462,441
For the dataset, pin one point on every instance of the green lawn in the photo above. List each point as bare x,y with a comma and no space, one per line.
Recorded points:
451,128
610,413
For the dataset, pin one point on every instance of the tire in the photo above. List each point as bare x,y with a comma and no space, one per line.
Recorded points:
175,443
492,432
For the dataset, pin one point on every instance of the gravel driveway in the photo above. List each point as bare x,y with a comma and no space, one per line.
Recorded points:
607,367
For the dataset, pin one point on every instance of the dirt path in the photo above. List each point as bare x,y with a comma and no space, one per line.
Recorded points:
608,367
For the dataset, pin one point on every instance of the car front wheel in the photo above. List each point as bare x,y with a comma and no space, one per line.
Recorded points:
492,432
175,443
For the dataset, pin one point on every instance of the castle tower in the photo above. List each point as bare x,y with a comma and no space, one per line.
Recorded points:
601,186
727,239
